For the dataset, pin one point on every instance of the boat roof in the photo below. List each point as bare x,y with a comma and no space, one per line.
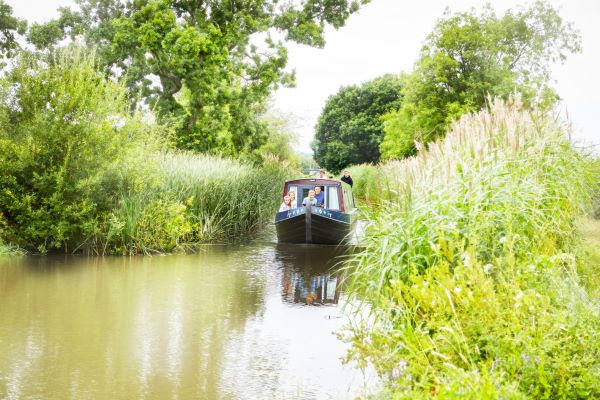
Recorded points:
314,181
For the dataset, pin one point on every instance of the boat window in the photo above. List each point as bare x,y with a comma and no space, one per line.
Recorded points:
305,191
333,198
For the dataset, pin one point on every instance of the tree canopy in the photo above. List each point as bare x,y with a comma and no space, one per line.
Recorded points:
470,56
10,28
350,130
207,66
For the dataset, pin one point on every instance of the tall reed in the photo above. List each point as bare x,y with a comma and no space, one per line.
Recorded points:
469,265
188,199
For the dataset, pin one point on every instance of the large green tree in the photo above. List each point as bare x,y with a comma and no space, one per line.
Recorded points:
350,130
10,29
470,56
207,66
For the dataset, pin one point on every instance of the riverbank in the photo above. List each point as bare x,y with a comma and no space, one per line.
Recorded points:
81,173
475,272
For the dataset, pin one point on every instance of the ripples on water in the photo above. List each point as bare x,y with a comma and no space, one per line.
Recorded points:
251,321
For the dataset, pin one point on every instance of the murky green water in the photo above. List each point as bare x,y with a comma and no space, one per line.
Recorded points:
231,322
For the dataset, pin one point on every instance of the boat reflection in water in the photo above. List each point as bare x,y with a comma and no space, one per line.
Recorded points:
311,273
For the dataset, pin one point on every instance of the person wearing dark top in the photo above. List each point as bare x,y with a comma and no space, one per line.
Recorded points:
319,196
347,178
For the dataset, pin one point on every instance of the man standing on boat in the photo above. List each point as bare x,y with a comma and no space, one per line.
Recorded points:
319,196
347,178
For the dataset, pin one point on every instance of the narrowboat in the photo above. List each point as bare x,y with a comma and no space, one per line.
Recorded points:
331,223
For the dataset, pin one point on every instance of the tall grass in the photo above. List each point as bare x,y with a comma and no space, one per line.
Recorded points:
470,269
8,250
188,199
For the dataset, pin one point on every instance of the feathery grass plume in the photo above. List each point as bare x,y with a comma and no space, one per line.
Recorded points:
469,269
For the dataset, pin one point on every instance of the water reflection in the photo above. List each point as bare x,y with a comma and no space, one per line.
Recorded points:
220,324
311,273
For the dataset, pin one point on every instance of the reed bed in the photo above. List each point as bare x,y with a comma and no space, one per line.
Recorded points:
189,199
470,265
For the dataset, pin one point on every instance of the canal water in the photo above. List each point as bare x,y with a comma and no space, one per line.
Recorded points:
246,321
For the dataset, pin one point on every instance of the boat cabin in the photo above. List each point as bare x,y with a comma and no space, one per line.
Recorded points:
338,196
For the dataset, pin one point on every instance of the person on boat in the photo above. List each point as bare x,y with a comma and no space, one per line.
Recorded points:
310,199
321,173
293,201
285,204
319,196
347,178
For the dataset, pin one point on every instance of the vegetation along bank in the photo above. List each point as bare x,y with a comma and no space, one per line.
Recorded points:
478,280
80,172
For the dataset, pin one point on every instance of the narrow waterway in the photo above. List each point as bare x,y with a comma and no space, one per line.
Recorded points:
251,321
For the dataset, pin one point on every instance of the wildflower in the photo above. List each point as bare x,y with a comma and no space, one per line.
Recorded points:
503,239
400,369
467,259
487,268
519,295
457,290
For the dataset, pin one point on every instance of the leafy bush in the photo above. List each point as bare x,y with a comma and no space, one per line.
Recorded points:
65,137
471,272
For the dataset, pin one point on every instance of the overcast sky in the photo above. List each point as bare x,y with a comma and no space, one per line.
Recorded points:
385,37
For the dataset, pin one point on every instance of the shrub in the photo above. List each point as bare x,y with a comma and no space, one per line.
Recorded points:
66,136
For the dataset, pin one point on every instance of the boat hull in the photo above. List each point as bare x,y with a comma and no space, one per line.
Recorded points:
314,225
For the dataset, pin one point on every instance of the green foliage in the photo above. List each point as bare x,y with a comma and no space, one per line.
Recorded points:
193,199
370,184
10,29
79,172
470,56
471,270
214,72
65,136
281,138
596,196
349,130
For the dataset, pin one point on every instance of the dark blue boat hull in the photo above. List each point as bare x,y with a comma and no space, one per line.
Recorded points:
314,225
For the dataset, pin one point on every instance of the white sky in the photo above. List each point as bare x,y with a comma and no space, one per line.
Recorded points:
386,36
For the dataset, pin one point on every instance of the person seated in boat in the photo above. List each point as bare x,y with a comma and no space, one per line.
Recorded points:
319,196
285,204
293,201
310,199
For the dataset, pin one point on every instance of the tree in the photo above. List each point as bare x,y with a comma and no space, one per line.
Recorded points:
206,66
350,129
471,56
10,28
